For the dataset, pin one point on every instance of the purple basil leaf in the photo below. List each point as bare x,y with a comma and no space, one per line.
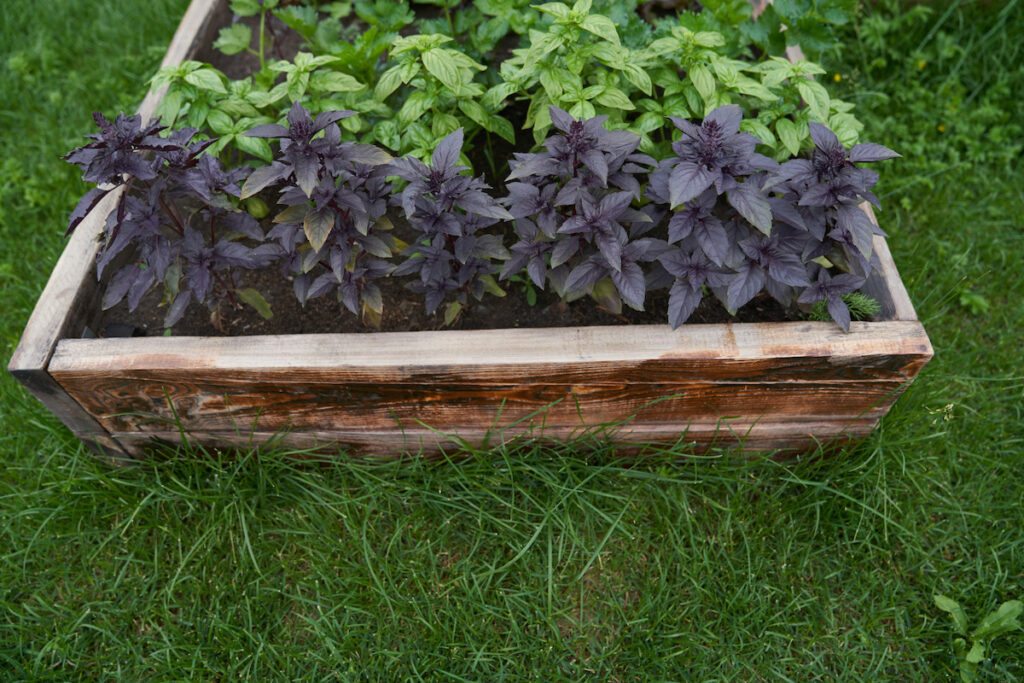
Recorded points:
84,206
177,308
267,130
300,285
370,155
564,250
242,222
682,302
527,165
326,118
779,291
610,248
839,312
160,258
692,131
851,219
157,144
792,170
140,286
713,239
408,168
749,201
263,177
537,268
821,194
686,181
824,139
480,203
787,268
594,160
784,210
728,118
870,151
234,254
446,154
583,276
306,165
324,283
434,297
744,285
561,119
631,285
119,285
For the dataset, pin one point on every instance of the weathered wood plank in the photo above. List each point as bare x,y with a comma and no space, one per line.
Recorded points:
453,379
885,284
123,404
406,354
69,296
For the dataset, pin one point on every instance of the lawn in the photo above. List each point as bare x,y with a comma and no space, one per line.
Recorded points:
543,563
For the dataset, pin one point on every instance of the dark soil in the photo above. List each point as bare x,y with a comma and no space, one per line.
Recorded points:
283,44
404,311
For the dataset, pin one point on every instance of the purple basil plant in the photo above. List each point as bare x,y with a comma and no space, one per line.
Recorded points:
176,223
591,216
577,228
333,233
450,257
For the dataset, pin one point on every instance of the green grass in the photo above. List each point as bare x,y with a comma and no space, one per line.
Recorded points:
539,563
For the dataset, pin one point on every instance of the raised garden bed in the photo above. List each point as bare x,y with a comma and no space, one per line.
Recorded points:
787,385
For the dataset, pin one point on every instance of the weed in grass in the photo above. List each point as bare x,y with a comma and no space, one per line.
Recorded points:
999,622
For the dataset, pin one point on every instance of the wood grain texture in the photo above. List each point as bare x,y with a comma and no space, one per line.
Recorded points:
885,284
71,294
562,378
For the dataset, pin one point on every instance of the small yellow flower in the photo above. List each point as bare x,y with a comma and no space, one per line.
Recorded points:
921,64
941,128
837,78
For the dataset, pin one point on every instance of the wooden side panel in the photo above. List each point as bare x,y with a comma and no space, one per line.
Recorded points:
885,285
70,295
571,378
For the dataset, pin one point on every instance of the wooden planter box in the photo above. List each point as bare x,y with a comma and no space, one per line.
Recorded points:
782,386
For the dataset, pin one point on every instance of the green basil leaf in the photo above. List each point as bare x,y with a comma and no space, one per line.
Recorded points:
257,147
816,97
334,81
219,122
703,81
789,135
615,98
601,26
416,105
206,79
245,8
443,67
555,9
501,126
638,77
388,83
